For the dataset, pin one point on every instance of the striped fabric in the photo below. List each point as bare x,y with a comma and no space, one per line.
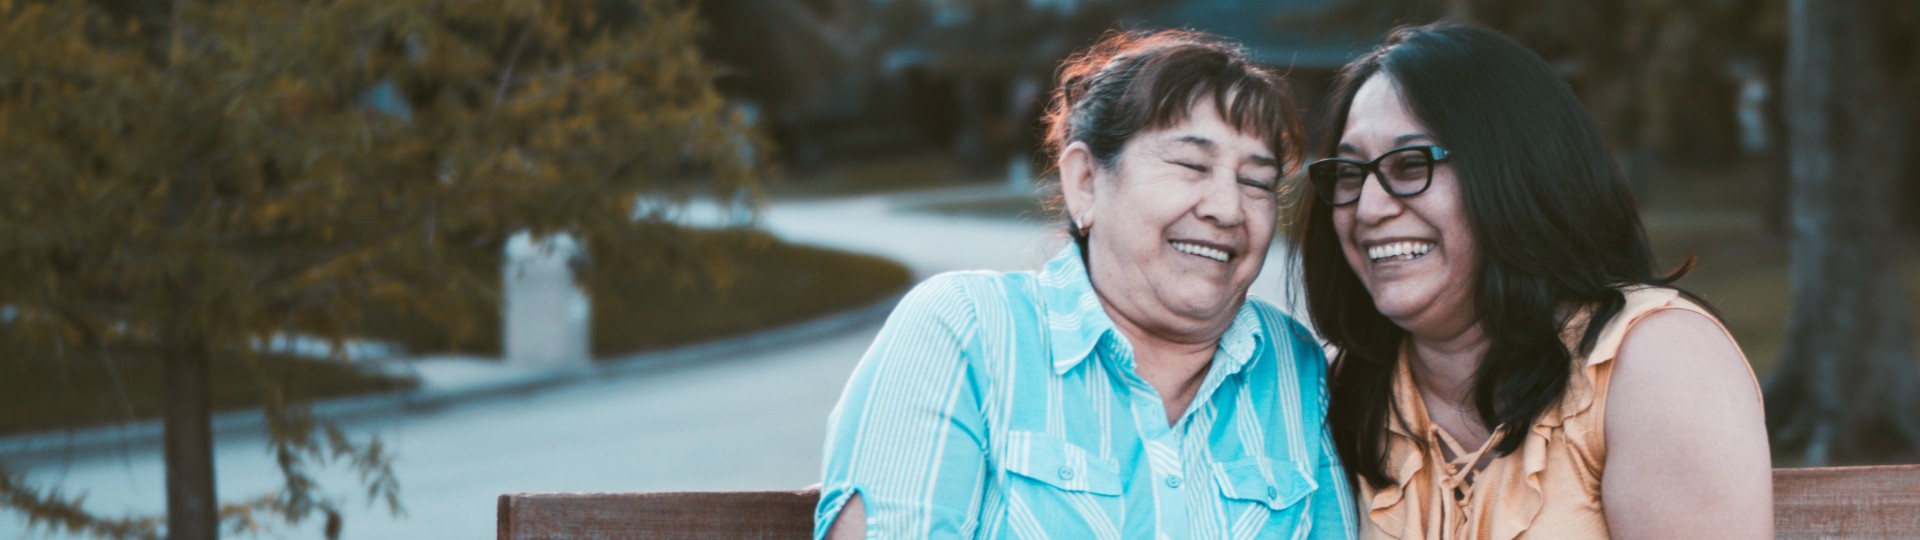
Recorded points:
1006,406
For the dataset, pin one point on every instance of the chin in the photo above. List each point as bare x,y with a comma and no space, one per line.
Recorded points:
1398,304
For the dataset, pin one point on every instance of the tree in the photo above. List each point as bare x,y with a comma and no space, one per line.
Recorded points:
1654,73
185,180
1846,387
998,56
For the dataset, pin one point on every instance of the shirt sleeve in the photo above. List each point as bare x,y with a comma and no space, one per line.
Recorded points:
1335,513
908,436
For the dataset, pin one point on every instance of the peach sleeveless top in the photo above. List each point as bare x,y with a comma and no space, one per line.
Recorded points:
1548,488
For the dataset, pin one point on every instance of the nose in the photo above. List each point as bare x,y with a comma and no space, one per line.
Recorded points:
1375,204
1221,199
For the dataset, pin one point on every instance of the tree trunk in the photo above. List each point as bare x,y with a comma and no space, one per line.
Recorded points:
1846,386
192,511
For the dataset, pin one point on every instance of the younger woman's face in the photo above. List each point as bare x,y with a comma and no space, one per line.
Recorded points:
1416,254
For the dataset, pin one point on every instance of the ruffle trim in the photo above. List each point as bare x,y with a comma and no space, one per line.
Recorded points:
1387,509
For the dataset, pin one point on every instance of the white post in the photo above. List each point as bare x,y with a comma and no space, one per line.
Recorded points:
546,321
1019,173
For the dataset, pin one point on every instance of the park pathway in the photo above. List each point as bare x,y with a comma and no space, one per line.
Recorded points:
748,420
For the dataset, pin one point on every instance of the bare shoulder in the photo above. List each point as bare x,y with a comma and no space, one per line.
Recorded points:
1678,369
1686,439
1678,348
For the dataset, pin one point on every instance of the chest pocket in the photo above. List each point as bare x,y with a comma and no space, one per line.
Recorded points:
1264,490
1056,489
1053,461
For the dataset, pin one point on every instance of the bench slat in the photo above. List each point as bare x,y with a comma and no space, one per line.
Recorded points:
742,514
1849,502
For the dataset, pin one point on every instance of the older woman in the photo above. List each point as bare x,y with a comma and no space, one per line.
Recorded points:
1510,364
1130,389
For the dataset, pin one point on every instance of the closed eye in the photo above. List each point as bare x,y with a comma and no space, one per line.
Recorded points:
1257,183
1196,167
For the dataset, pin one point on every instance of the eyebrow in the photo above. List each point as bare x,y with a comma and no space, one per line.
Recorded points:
1196,140
1397,142
1209,146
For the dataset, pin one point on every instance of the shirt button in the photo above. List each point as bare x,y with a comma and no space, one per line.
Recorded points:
1066,473
1273,493
1173,482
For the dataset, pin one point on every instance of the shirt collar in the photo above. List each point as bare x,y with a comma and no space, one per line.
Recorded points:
1077,323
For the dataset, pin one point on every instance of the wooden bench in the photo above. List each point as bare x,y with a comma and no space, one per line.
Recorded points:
1838,502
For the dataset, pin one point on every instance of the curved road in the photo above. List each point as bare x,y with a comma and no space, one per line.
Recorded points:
750,421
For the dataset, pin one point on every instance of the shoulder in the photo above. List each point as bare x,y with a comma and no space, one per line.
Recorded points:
1661,322
1290,339
1679,379
1282,326
1668,353
952,293
960,301
1651,313
1684,422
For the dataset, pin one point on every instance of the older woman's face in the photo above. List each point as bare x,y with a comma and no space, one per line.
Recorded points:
1415,254
1182,224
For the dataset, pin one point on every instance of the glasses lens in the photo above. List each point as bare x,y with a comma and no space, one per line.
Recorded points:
1406,172
1338,181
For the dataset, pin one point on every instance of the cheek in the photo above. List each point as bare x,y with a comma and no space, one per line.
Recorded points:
1263,217
1342,231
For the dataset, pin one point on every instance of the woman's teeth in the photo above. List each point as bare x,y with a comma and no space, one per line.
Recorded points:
1406,251
1203,251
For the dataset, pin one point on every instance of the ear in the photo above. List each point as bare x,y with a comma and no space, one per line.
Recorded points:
1077,169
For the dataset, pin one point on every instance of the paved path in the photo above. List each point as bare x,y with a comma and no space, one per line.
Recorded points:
754,420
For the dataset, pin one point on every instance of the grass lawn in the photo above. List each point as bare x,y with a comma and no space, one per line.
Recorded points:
773,283
37,393
638,309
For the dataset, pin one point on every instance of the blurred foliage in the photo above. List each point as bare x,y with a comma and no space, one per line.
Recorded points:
1653,72
1656,74
202,176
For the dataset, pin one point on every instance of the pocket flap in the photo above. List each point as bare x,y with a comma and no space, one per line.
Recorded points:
1277,484
1053,461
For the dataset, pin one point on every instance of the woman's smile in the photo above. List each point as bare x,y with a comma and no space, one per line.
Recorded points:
1204,250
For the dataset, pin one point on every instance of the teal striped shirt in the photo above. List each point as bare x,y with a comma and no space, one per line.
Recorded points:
1005,405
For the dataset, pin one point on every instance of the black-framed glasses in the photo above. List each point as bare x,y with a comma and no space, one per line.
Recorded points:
1404,172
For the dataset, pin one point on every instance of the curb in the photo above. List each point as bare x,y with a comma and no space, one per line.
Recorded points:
24,451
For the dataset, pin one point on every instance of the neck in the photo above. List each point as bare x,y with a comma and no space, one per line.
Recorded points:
1173,365
1443,365
1172,359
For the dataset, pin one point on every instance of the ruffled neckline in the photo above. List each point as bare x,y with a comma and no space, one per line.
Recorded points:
1387,508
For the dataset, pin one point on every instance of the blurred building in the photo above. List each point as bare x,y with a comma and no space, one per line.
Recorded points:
838,79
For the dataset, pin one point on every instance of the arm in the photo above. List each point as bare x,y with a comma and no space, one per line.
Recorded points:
1335,514
1687,453
905,454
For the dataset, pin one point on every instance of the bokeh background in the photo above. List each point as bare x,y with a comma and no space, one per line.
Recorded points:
355,268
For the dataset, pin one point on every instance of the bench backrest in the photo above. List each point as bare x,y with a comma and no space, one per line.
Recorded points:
1847,502
1851,502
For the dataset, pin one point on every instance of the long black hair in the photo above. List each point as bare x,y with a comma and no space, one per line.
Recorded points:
1554,220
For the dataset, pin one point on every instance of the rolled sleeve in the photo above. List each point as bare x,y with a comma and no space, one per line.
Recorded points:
908,435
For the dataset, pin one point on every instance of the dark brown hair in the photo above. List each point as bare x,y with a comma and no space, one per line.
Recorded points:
1554,219
1138,81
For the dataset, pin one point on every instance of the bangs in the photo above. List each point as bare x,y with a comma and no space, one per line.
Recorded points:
1253,101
